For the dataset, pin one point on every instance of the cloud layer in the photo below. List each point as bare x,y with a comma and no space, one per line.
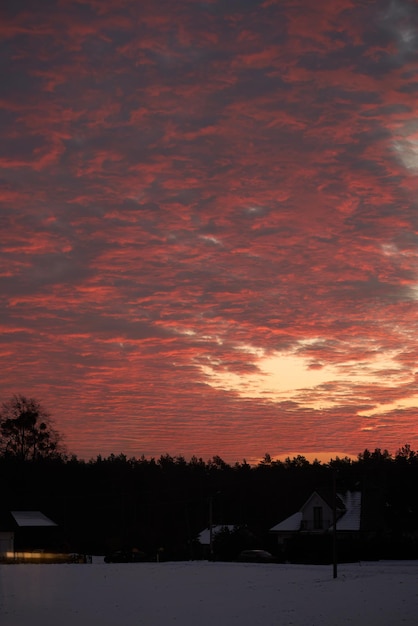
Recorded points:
209,223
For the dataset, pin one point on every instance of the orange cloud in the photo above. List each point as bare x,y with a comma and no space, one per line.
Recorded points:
208,224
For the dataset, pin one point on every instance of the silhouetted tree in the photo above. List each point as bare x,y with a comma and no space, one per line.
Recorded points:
26,432
406,454
229,543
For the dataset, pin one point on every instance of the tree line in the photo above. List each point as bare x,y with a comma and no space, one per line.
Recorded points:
160,505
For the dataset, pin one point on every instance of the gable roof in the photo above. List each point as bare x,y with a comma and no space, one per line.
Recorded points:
290,524
316,494
348,510
350,519
327,498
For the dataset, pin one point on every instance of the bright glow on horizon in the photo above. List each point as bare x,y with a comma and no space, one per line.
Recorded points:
284,376
324,456
212,271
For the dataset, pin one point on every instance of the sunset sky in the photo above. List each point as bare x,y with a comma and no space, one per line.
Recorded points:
209,223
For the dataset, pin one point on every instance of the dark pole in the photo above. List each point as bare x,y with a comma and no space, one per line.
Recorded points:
211,528
334,521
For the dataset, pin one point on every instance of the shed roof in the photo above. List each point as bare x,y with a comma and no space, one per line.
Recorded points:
31,518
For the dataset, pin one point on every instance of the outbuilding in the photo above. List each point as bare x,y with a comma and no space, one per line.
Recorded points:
26,531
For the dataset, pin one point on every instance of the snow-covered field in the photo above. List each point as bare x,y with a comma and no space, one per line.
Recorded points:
208,594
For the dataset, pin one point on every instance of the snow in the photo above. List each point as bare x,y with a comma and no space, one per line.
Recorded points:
204,536
32,518
351,518
199,592
291,523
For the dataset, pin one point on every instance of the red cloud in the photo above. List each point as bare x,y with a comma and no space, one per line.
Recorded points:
190,188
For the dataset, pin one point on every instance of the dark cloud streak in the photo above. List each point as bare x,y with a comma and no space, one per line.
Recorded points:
190,190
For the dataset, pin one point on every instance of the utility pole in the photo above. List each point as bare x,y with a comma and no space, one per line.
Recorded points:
211,537
210,528
334,522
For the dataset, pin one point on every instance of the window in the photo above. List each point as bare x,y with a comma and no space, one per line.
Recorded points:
317,517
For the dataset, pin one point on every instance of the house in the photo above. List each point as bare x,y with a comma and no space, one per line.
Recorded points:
26,531
204,537
228,541
205,540
309,531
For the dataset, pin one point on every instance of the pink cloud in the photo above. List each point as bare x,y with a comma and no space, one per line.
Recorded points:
194,186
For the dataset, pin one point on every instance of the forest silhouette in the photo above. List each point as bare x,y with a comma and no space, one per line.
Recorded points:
159,506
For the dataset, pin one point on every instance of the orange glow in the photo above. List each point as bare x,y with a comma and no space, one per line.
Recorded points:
209,225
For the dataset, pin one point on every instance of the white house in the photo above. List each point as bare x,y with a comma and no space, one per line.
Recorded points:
316,516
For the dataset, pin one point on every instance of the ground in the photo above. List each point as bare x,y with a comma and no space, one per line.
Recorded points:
203,593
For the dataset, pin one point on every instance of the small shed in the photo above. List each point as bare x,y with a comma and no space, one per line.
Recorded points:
26,531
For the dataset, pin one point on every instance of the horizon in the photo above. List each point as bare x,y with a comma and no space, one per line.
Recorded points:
324,457
209,224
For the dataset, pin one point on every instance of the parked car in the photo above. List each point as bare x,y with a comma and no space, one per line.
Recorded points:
256,556
125,556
